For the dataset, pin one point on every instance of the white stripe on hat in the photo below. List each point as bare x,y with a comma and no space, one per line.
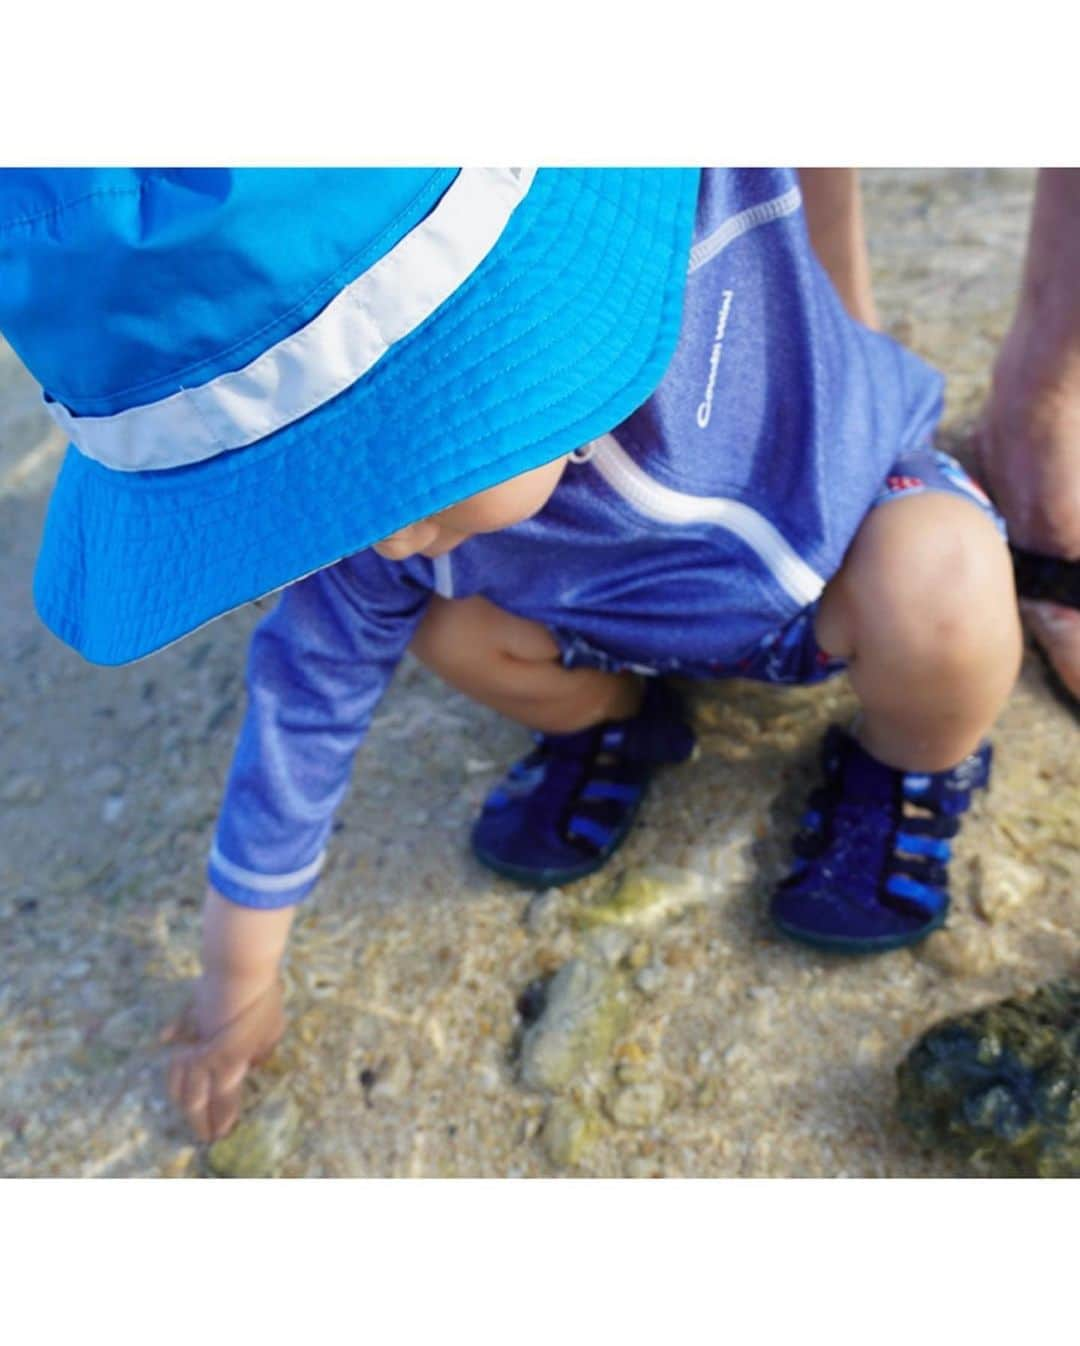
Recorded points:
329,354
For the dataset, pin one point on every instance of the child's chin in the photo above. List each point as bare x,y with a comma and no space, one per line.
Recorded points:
440,548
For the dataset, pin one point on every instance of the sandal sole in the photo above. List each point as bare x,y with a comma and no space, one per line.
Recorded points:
840,944
555,878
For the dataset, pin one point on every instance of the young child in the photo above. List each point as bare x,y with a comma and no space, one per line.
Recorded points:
775,510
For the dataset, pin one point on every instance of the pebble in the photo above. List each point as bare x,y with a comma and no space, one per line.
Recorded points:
650,979
112,808
638,1104
258,1144
393,1082
543,915
609,945
960,952
22,789
1000,884
568,1134
488,1079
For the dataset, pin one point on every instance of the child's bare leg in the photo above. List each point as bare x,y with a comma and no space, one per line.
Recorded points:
512,665
561,812
924,608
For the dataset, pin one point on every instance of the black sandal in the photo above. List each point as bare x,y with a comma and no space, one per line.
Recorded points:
1049,579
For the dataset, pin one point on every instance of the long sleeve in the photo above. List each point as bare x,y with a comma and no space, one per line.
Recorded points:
317,668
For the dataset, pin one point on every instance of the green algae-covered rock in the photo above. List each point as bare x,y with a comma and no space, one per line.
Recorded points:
644,897
1001,1085
257,1145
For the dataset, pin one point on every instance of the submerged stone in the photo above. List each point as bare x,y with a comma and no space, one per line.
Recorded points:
569,1132
258,1144
582,1016
644,897
640,1104
959,952
1001,1086
609,944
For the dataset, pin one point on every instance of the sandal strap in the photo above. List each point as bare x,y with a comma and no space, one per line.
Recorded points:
914,847
600,806
593,834
1047,578
907,892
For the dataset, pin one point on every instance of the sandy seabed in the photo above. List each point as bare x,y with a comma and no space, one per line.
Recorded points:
732,1052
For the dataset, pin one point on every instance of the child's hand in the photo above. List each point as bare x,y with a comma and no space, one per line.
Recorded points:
219,1044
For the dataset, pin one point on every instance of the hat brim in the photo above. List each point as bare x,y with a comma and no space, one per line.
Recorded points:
562,331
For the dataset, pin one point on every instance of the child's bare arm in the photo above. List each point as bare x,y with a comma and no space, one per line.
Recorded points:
236,1015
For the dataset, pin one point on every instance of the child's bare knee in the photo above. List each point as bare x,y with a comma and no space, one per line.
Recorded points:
932,583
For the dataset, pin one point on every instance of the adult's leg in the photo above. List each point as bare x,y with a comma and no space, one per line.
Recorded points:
1028,443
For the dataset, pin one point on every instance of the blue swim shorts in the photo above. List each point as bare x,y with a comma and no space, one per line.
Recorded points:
791,655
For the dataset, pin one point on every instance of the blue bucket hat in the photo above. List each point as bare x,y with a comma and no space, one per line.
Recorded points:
264,370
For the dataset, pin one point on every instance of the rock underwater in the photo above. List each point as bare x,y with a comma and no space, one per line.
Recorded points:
1001,1085
259,1142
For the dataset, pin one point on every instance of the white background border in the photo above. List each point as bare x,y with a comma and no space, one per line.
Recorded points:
552,81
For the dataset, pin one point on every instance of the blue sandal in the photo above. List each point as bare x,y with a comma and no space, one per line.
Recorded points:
870,869
562,811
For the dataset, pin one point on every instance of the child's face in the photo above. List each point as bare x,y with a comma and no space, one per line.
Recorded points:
499,507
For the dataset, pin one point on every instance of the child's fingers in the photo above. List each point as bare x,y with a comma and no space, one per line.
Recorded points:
224,1107
205,1076
193,1095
